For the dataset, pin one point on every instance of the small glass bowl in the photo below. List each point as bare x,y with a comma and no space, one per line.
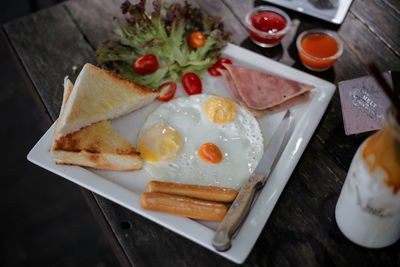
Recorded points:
318,63
262,38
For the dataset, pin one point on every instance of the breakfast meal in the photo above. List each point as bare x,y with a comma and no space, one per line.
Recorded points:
262,93
201,139
199,149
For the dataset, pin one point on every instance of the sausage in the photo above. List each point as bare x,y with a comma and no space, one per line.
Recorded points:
213,193
183,206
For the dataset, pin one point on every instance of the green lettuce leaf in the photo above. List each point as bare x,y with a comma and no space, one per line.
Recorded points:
164,36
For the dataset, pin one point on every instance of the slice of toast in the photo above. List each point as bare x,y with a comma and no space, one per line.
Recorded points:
101,95
97,145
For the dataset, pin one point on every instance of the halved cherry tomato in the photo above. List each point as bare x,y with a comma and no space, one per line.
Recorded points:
196,39
146,64
166,91
213,70
210,153
224,60
192,83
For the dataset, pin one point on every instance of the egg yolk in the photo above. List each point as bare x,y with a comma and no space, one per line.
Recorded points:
160,143
220,110
210,153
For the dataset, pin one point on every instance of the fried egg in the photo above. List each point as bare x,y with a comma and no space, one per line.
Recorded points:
201,139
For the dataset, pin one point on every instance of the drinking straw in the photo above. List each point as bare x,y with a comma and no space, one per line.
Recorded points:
377,74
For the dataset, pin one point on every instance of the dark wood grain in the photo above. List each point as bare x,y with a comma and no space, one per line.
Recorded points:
301,230
149,244
216,8
94,18
381,18
239,8
308,225
46,64
39,225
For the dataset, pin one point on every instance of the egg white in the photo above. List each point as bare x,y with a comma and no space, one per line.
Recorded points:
240,141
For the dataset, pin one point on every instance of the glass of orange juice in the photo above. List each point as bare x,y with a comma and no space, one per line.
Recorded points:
319,49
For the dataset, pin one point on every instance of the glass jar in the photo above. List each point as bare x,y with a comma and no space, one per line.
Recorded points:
368,208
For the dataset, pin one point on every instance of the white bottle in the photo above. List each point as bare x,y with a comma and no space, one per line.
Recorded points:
368,208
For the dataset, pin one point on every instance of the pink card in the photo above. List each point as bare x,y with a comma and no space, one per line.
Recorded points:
363,104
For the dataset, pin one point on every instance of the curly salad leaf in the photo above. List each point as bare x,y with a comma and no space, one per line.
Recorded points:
163,33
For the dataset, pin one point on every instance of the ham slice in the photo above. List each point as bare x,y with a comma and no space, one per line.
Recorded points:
232,87
260,91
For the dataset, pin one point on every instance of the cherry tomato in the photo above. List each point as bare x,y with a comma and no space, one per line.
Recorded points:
210,153
213,70
197,39
146,64
224,60
166,91
192,83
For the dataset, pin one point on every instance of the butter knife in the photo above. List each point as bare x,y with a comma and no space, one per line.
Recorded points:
241,206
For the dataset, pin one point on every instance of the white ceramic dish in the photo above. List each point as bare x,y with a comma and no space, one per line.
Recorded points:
333,11
125,188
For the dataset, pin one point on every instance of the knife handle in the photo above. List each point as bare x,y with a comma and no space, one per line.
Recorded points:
237,212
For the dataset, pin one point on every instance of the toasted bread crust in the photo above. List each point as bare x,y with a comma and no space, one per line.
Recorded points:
98,160
68,86
138,88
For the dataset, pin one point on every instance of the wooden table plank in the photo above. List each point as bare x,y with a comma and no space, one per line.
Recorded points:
381,18
47,64
149,244
231,24
95,18
368,46
240,8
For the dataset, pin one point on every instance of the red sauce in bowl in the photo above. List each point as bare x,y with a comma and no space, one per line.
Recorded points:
268,21
270,24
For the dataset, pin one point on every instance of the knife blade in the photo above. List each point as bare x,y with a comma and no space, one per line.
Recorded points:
241,206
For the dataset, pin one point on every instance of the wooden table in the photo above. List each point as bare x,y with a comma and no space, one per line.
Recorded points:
302,230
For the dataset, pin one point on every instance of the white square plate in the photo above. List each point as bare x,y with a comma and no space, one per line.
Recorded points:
125,188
